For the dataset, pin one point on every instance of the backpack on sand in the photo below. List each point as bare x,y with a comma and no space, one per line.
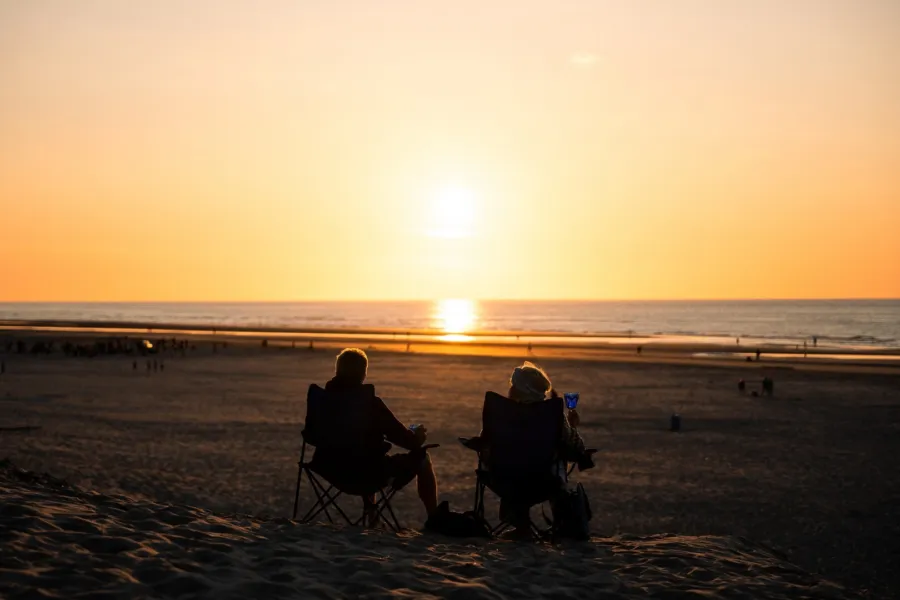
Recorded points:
454,524
572,513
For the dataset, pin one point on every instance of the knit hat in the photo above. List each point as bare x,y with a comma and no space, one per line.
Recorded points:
530,381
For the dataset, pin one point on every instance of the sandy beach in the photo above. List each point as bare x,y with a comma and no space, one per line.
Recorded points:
756,497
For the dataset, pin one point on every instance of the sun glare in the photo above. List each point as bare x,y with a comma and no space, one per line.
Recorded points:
455,317
453,213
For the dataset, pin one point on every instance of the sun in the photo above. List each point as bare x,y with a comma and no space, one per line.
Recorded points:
455,317
452,212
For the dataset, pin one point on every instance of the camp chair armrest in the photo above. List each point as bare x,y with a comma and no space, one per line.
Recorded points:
475,443
587,459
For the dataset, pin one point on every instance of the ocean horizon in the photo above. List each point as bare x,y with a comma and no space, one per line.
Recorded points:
863,323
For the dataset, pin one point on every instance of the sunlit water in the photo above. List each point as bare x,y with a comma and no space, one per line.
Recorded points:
841,323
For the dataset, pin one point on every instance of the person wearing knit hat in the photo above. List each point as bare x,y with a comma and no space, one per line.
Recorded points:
529,384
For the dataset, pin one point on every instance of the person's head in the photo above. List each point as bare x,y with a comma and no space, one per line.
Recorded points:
529,383
351,365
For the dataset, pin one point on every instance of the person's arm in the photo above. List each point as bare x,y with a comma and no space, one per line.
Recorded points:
393,430
573,444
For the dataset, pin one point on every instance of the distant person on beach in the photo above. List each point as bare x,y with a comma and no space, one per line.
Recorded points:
758,354
815,341
640,350
370,454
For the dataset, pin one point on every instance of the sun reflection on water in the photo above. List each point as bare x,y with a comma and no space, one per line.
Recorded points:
455,317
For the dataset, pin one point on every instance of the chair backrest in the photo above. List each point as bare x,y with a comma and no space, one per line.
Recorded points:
523,438
338,420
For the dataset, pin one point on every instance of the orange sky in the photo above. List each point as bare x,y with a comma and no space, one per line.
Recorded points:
216,150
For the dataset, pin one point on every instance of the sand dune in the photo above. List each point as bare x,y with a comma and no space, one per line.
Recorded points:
61,541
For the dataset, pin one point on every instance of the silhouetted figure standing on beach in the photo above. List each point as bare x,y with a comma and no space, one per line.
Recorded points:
529,347
804,348
640,349
815,341
407,346
312,348
758,354
737,341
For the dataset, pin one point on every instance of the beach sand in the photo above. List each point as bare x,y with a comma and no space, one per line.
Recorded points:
59,541
810,474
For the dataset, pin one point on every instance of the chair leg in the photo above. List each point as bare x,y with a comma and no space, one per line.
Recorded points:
299,476
331,501
387,504
297,492
381,506
500,528
323,498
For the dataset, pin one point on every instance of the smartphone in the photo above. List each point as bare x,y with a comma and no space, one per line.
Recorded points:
414,426
571,400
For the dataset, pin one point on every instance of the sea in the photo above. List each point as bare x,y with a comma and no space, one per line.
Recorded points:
849,324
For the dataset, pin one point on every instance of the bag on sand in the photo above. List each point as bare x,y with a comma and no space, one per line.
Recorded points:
571,514
454,524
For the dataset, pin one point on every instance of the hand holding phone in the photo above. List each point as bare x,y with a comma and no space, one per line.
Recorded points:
571,400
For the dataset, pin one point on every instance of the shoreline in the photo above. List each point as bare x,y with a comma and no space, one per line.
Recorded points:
671,350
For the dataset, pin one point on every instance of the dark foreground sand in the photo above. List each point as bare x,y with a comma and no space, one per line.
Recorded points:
811,474
59,541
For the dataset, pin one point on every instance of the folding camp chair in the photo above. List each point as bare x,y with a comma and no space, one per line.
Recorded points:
337,422
523,466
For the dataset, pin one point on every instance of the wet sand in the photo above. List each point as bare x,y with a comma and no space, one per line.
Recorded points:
810,472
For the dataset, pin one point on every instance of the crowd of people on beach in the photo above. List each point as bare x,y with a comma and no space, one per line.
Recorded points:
101,347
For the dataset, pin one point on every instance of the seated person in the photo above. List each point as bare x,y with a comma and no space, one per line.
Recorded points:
530,384
372,428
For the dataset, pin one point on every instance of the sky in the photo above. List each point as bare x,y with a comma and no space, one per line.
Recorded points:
536,149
